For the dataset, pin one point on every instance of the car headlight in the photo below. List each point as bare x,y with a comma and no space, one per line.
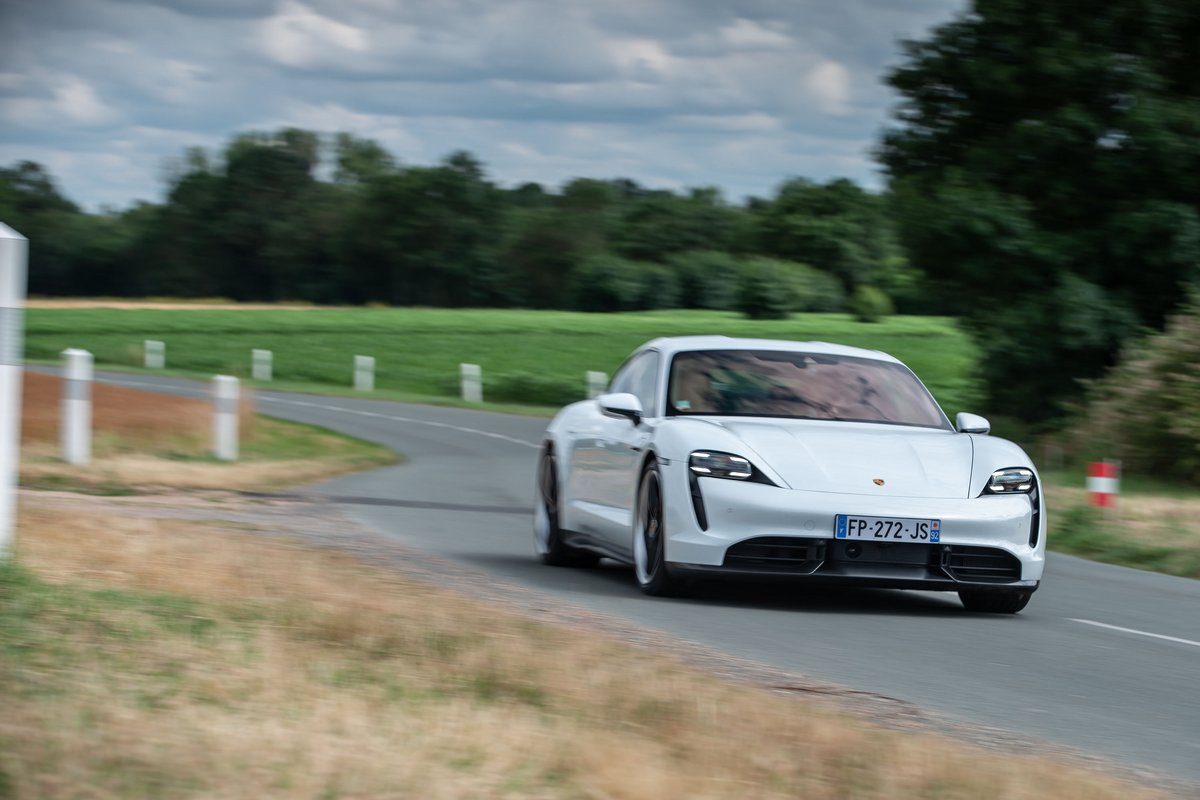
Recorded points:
720,465
1010,480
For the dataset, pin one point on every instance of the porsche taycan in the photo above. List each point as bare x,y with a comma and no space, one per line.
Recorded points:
711,456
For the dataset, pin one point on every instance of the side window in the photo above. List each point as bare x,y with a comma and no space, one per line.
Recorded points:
646,386
640,378
622,381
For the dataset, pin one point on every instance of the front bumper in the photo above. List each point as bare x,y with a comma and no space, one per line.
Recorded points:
752,529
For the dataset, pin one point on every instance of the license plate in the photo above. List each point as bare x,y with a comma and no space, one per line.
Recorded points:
888,529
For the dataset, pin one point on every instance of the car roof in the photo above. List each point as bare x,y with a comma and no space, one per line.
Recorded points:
679,344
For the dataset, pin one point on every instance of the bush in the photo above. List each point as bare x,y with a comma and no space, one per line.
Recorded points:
606,282
706,279
814,290
1146,409
870,304
769,288
658,286
764,290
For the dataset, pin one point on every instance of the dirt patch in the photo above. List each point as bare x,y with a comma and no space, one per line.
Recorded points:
140,419
145,441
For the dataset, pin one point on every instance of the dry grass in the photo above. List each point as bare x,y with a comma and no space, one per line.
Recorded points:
1146,531
143,472
1149,519
162,658
146,441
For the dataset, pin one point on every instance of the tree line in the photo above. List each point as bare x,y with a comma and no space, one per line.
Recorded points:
288,216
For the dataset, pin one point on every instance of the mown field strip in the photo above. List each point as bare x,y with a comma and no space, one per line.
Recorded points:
526,356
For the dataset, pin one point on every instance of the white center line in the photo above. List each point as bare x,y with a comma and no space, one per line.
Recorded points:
1139,633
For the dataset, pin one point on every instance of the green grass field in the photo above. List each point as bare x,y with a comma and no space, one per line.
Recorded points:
533,357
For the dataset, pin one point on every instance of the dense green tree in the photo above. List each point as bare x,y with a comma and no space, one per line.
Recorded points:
657,225
836,227
1046,167
266,184
184,252
540,250
357,160
37,210
426,236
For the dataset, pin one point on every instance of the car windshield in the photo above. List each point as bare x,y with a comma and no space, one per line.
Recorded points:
773,383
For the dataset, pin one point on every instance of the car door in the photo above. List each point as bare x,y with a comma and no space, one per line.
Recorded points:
582,490
623,443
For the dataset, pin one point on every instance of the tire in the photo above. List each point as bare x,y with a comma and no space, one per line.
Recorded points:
650,538
995,602
547,535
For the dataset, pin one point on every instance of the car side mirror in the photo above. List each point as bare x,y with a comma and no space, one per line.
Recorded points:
621,404
971,423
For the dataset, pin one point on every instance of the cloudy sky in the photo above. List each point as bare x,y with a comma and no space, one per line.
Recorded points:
738,94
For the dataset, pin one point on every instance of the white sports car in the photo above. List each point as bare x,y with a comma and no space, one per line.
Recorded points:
714,456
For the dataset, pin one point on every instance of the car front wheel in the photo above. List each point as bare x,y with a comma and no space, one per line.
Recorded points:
995,602
649,538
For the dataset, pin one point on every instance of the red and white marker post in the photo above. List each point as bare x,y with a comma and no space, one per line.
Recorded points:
1104,483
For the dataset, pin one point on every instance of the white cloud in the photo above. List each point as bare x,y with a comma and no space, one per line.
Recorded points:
750,35
75,98
829,82
641,59
297,36
71,100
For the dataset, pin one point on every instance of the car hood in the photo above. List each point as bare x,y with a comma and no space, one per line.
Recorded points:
851,457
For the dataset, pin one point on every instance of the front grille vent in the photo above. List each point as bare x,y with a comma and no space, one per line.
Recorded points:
781,553
980,564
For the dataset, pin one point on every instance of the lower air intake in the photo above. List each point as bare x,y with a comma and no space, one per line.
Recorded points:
778,553
980,564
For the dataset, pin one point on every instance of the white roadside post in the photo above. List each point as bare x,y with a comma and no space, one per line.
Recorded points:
597,382
472,382
75,428
155,354
13,251
226,394
364,373
260,365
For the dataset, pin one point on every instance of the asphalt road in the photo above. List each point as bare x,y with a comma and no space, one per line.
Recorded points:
1105,660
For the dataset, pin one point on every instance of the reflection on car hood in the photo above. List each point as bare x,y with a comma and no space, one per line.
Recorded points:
849,457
